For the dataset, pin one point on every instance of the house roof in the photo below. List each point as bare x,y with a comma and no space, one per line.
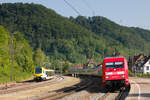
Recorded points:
141,58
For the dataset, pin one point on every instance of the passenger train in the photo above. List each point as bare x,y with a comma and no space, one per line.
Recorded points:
41,73
113,71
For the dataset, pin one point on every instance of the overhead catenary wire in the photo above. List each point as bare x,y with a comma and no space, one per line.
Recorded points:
72,7
88,5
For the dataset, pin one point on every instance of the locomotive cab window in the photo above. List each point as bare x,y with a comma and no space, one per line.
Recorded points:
38,70
114,64
119,64
109,65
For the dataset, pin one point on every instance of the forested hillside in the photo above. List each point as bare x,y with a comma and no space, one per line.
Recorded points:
15,56
56,35
130,37
72,39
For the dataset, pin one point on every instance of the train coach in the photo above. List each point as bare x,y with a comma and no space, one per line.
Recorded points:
43,74
115,72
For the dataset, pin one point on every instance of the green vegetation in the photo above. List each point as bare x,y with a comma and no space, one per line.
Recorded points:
55,39
116,36
57,36
40,59
61,66
15,57
142,75
131,74
72,39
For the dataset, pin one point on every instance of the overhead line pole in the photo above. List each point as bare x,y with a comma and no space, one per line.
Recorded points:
11,57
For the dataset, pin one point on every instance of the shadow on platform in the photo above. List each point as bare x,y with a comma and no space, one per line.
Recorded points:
141,95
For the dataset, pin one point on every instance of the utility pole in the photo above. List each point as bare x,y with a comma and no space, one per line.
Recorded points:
12,73
134,63
61,68
103,54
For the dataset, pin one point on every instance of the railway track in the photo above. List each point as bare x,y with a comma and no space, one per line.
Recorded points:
107,93
90,84
12,85
121,95
30,86
67,91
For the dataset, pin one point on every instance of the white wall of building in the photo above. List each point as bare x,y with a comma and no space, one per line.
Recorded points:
146,67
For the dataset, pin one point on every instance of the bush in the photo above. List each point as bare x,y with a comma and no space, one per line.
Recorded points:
139,74
146,75
130,73
18,77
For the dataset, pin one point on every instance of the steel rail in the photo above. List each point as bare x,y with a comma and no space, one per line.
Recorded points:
21,88
68,91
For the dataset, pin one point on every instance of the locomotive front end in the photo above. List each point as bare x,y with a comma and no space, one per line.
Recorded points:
115,72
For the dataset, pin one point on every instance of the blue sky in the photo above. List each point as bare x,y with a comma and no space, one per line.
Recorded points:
135,13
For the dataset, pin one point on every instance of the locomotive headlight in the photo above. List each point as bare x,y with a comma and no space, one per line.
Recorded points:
122,72
109,73
122,76
107,77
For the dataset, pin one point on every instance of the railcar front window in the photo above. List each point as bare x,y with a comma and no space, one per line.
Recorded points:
114,64
38,70
118,64
109,65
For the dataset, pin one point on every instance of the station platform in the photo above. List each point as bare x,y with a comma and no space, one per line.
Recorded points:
140,89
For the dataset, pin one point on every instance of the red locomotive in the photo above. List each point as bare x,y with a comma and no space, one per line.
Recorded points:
115,72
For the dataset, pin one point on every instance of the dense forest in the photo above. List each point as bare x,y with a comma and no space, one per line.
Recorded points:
71,39
58,37
129,37
17,59
15,56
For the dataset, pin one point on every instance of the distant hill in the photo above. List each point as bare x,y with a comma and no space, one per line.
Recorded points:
129,37
72,39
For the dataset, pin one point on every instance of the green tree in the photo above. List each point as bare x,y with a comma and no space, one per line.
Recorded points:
22,54
40,59
71,38
66,66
